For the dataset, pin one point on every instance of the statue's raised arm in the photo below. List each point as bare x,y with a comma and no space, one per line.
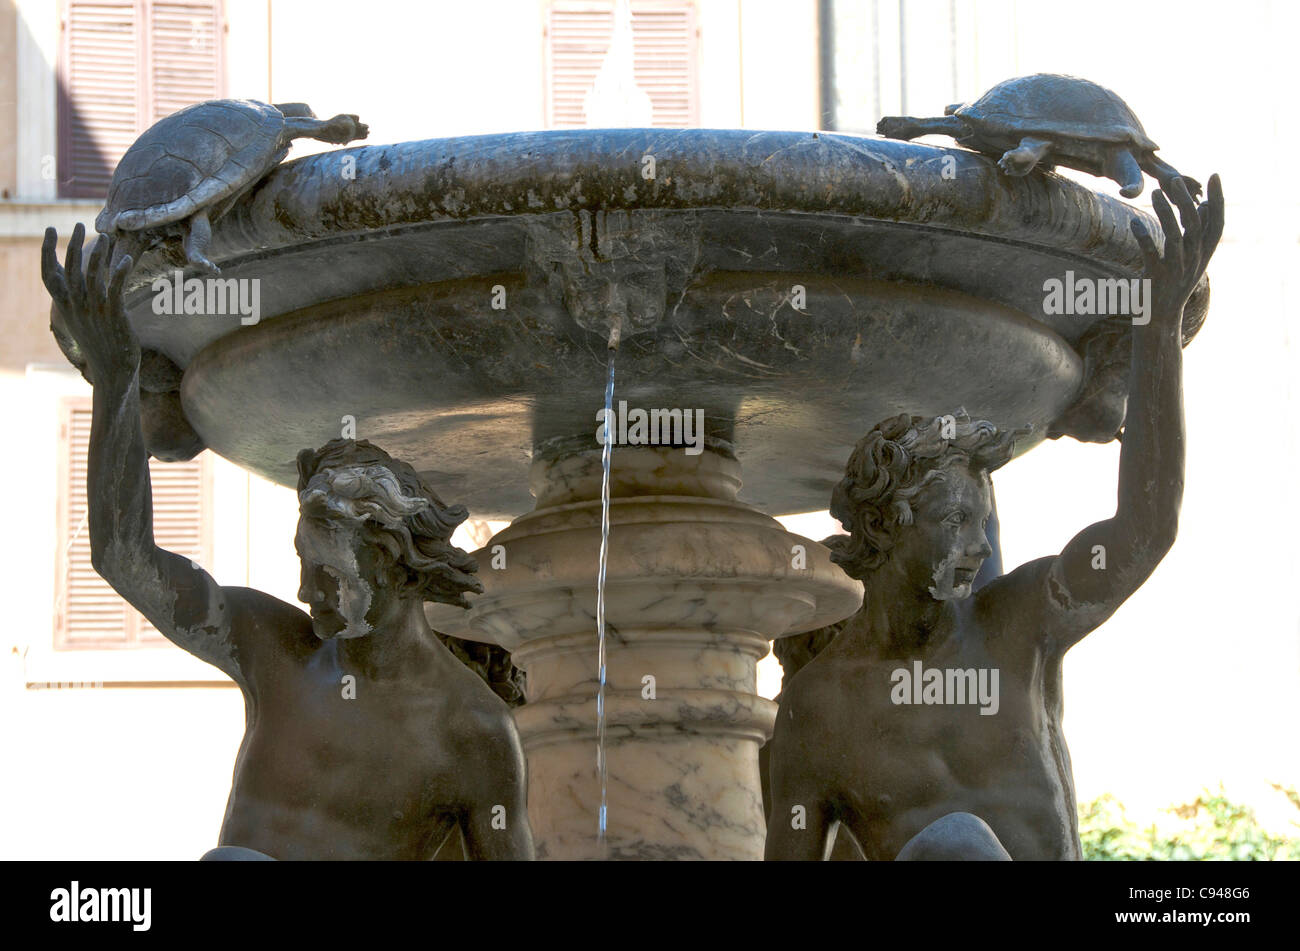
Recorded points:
356,689
180,599
1075,591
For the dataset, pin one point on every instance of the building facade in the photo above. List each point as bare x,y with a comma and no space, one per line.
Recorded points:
121,746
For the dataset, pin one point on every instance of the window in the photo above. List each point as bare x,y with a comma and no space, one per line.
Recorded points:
665,49
88,613
123,65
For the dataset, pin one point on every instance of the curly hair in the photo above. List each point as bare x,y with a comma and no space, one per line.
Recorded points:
891,465
356,482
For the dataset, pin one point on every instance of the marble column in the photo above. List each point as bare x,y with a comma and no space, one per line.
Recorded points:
697,585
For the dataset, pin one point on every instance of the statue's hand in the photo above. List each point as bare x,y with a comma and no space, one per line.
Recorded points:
1174,274
90,306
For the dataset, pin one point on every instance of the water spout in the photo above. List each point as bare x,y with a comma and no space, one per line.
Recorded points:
606,458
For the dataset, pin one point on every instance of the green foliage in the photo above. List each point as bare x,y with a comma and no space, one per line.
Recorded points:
1217,829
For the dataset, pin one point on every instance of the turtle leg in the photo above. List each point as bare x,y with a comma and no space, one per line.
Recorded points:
1165,174
196,243
1123,168
1025,157
340,130
906,127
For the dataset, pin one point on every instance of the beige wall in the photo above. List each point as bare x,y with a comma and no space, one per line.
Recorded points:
1195,680
27,338
8,96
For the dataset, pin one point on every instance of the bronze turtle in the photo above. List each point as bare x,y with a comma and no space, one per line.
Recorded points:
191,166
1048,120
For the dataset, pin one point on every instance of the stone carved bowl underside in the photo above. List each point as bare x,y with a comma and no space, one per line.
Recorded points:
454,297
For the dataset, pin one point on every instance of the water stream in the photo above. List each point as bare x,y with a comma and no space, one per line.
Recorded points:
607,453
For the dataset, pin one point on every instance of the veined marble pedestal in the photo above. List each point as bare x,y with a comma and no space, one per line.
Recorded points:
697,586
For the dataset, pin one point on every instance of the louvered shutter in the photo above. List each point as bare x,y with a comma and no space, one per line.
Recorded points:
579,38
663,42
98,101
664,54
184,56
89,614
124,64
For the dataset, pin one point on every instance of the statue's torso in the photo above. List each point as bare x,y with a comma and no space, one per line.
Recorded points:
892,768
329,769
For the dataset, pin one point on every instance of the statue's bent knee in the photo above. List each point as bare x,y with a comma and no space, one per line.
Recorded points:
957,837
234,853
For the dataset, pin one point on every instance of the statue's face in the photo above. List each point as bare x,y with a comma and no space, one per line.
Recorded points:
944,547
344,582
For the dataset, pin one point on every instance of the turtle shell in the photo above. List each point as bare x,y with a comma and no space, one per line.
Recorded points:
191,159
1056,106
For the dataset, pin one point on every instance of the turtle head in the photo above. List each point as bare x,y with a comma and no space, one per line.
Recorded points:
295,110
952,110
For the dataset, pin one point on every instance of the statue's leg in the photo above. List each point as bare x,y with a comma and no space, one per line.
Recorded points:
339,131
1023,158
1165,174
845,848
1124,169
196,243
956,837
452,848
907,127
234,853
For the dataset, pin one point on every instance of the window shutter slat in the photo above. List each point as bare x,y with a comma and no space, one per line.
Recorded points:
125,65
91,614
183,56
663,41
100,78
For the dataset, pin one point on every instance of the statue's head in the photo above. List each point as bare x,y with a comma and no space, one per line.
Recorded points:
372,535
916,495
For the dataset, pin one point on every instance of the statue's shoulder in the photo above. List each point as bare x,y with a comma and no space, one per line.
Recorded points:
1012,607
484,730
469,702
819,686
259,621
258,606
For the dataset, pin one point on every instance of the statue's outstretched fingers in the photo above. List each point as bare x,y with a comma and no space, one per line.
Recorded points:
117,282
52,273
72,269
1187,211
1191,227
1214,204
95,283
1173,256
1147,244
